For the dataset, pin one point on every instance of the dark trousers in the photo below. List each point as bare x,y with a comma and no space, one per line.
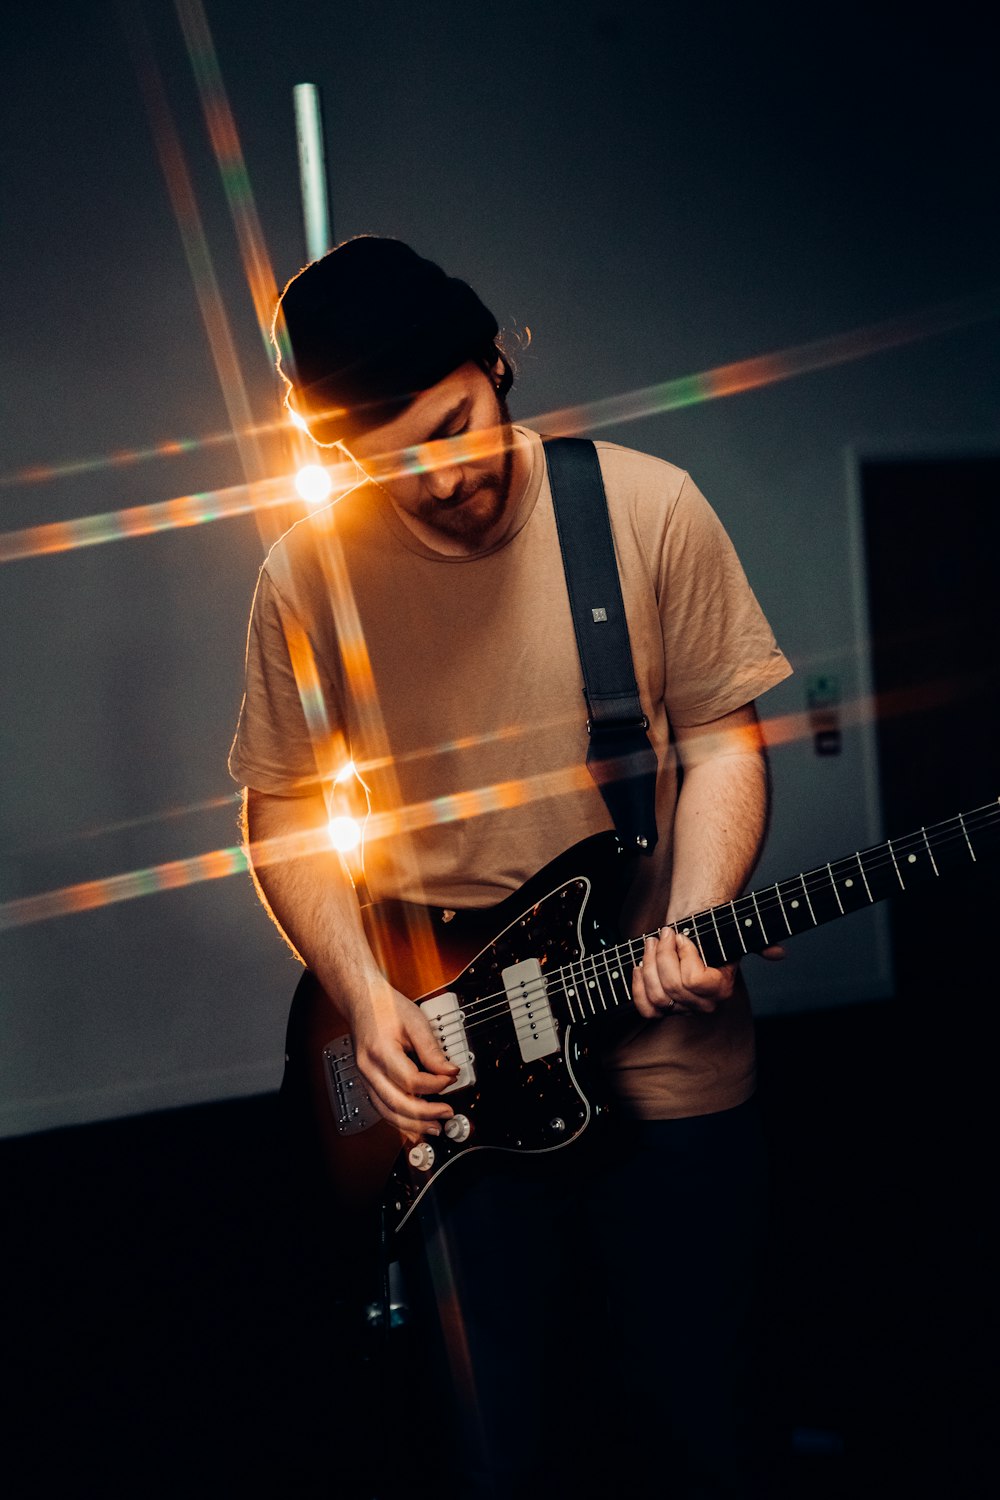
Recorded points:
588,1313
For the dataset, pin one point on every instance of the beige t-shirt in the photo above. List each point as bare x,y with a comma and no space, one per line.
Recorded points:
454,684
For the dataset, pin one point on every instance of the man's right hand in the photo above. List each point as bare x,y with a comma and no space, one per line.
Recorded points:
389,1032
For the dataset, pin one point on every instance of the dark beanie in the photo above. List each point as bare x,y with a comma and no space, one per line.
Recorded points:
368,326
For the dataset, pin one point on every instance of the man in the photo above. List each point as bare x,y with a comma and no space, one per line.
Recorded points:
420,630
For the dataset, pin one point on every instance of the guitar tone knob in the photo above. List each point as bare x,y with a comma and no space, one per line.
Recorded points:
457,1128
421,1157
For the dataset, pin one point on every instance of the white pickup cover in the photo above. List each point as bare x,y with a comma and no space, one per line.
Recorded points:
527,996
448,1024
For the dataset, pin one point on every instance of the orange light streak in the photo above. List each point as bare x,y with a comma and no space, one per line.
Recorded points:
92,894
768,369
181,192
165,515
232,167
124,825
168,448
724,380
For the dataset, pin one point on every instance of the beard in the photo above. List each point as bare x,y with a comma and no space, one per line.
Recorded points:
477,506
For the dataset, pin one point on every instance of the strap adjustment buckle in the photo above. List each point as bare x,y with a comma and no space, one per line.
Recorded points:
620,726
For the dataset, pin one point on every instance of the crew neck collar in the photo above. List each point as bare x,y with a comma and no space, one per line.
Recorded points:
520,511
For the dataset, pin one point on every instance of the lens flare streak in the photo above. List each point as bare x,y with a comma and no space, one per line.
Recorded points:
142,520
232,167
89,895
93,894
165,515
725,380
180,190
768,369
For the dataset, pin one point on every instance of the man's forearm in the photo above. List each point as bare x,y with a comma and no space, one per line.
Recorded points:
719,828
309,894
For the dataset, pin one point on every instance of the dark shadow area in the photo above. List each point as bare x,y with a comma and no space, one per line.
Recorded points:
175,1323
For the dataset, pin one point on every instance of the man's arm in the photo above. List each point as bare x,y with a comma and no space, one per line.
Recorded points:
719,827
308,892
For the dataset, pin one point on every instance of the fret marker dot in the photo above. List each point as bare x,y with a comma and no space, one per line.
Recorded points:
911,859
748,922
794,905
571,992
848,883
614,973
591,983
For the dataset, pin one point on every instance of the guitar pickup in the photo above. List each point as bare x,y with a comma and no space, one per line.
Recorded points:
530,1011
447,1020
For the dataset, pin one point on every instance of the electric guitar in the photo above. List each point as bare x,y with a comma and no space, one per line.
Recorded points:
512,991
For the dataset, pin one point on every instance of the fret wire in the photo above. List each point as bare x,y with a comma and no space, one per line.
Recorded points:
697,937
623,978
864,877
784,914
568,999
594,983
736,919
718,935
967,839
805,892
929,854
607,971
580,994
597,974
619,968
588,988
585,988
833,882
760,922
895,865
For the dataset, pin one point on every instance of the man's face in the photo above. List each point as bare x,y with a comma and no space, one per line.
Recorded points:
447,461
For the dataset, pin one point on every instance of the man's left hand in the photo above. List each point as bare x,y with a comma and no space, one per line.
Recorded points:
673,979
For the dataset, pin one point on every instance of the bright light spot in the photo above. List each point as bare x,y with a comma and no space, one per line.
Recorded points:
298,421
313,484
346,772
345,833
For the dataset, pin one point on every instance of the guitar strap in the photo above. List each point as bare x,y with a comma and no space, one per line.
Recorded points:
619,755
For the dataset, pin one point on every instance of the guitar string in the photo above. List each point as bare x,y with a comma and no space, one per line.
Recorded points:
764,903
488,1008
816,882
494,1006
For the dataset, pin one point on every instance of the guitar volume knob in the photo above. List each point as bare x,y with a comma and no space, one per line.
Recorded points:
458,1128
421,1156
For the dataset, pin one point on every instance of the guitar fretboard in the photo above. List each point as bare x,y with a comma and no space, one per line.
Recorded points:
602,981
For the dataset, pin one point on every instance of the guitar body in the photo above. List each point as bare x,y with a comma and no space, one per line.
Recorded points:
510,990
483,979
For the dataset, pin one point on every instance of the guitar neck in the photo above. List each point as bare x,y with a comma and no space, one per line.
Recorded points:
768,916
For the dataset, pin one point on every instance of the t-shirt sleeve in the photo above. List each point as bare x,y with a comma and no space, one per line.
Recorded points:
275,749
719,650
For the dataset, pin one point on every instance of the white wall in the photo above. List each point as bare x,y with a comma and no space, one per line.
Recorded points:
654,193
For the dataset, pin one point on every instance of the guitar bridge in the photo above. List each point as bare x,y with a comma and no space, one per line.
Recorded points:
353,1110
